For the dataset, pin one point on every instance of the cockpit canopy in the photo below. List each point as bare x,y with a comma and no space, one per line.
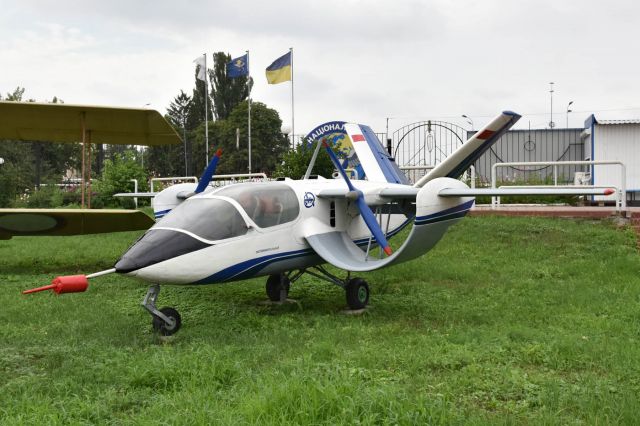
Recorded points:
267,204
208,218
211,219
214,219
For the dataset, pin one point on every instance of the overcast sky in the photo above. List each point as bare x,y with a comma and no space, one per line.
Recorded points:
359,61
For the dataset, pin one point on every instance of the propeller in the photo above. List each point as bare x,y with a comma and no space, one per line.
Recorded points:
358,196
208,173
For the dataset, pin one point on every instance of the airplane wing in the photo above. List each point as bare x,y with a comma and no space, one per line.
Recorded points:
38,222
387,194
500,192
33,121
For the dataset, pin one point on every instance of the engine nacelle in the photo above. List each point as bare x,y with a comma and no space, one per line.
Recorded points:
170,198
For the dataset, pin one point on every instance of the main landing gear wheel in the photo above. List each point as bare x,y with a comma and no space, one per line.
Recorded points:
160,326
357,292
278,287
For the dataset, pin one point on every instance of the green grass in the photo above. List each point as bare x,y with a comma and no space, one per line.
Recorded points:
506,321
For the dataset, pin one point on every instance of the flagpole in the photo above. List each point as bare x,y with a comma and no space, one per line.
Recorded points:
249,112
293,133
206,114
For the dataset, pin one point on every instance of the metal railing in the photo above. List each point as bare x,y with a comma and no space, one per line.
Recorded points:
217,180
414,177
621,193
175,179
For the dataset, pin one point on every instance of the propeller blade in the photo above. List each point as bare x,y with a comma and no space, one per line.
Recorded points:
372,224
366,213
337,165
208,173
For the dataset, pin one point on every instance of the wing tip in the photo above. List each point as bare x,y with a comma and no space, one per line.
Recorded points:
511,113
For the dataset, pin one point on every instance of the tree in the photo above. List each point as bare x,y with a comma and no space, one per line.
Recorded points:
226,92
28,164
179,115
295,162
268,144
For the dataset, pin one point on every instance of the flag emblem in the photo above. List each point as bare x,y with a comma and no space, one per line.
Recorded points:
280,70
238,67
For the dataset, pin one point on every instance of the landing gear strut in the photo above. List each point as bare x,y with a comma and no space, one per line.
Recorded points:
166,321
356,289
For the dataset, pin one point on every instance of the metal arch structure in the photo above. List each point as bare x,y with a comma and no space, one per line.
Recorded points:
426,143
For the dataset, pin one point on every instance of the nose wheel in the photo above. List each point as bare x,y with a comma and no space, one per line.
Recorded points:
167,328
166,321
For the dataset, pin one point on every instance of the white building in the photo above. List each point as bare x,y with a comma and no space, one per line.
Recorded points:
614,140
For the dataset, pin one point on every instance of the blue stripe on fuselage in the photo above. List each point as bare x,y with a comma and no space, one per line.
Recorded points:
451,213
248,268
161,213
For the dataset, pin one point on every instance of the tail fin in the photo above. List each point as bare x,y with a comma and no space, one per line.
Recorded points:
460,160
376,163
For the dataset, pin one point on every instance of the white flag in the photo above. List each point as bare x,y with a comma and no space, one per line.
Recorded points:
201,60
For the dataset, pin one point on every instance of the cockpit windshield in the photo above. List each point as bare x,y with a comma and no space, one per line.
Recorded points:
267,204
208,218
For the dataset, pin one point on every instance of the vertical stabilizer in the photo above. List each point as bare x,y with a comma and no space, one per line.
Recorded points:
462,158
377,164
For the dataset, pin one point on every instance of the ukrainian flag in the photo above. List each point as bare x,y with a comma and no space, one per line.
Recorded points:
280,70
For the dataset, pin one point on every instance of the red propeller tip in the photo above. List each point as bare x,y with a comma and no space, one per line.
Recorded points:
609,191
387,250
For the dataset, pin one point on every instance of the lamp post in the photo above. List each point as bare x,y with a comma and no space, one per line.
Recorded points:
551,123
469,120
568,111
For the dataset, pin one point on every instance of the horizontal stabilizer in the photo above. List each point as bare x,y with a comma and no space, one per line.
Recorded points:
499,192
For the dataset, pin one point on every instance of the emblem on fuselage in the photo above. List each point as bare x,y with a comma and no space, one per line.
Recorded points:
309,200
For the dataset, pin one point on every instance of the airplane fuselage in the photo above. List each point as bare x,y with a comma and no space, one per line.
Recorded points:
268,235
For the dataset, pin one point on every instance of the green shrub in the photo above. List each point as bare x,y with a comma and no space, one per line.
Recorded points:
46,197
116,178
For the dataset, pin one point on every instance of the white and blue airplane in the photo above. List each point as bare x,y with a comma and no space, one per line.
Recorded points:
286,228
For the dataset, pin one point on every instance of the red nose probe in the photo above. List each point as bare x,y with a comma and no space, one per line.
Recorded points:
67,284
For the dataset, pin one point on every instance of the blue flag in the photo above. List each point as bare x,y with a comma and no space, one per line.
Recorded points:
238,67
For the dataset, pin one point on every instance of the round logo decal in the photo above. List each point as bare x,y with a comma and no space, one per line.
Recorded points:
309,200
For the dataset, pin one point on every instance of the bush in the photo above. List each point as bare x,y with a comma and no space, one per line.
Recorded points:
46,197
116,178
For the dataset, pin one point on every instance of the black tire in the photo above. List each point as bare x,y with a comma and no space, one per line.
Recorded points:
274,284
357,291
159,326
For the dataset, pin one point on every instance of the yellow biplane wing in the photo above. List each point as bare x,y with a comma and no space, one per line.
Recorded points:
33,121
33,222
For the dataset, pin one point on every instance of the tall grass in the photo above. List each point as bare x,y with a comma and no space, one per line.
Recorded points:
507,320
